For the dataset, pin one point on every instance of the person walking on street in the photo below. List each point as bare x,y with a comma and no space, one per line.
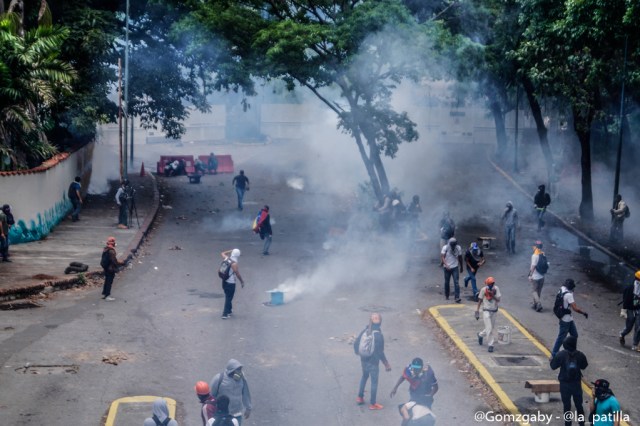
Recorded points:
539,267
571,362
619,213
565,303
451,261
474,259
241,183
222,416
264,229
541,200
510,220
233,384
369,345
488,299
160,415
604,405
423,384
122,200
4,237
631,312
76,198
6,209
110,264
447,228
212,164
229,285
208,402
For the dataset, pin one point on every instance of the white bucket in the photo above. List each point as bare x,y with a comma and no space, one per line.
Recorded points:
504,334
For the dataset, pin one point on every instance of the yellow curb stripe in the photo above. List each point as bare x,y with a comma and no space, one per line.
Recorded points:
113,409
484,373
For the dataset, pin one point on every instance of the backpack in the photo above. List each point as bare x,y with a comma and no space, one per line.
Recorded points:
366,345
224,271
571,367
105,261
558,306
159,423
543,265
226,420
627,212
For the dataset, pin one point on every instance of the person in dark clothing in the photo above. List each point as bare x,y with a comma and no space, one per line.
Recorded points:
110,264
371,364
76,198
474,259
212,164
541,200
4,236
264,228
222,416
182,168
241,183
423,384
571,362
631,312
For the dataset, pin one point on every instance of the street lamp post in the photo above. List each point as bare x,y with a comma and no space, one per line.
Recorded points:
126,88
616,185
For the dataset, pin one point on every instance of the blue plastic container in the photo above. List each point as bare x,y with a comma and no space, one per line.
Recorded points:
277,297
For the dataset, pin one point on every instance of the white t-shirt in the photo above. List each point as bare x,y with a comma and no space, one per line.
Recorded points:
211,420
489,304
534,261
451,256
420,414
567,300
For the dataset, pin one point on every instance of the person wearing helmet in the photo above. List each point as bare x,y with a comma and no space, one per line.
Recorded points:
110,264
229,285
631,311
510,219
122,200
488,299
605,407
451,261
474,258
423,384
208,402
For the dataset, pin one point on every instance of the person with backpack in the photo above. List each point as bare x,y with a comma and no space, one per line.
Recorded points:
222,416
209,403
619,213
229,272
631,312
571,362
451,261
76,198
541,201
605,408
488,298
369,345
562,307
422,380
160,416
539,267
232,383
110,264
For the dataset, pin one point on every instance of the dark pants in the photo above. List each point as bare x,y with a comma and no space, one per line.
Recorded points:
633,319
75,213
108,280
229,291
616,234
510,238
455,274
123,215
373,370
565,328
4,247
568,391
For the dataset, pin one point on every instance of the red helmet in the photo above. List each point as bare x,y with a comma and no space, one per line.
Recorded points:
489,281
202,388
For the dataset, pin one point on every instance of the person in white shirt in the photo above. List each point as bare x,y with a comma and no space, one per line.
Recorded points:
536,275
567,326
451,261
488,298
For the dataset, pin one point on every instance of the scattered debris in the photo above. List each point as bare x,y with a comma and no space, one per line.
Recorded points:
175,248
115,358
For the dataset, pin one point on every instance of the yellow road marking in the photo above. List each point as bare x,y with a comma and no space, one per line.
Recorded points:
113,409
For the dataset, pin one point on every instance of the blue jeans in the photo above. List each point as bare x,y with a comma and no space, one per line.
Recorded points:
123,214
565,328
240,192
510,238
633,319
448,273
267,244
77,205
471,276
373,370
229,291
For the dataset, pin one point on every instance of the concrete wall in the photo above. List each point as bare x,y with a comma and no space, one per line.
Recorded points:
38,197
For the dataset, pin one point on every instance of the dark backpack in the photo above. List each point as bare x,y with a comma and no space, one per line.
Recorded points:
159,423
366,344
105,261
558,306
226,420
571,368
543,265
224,271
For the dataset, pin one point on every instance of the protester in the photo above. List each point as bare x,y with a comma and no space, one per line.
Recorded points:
181,168
222,416
4,235
451,261
631,312
122,199
474,259
447,228
541,200
233,384
76,198
6,209
423,384
110,264
510,219
414,210
198,166
566,324
212,164
160,415
229,285
416,413
488,298
369,345
263,224
619,213
604,406
209,405
571,362
537,270
241,183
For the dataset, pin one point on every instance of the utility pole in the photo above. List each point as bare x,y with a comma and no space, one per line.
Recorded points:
616,186
515,142
126,88
120,117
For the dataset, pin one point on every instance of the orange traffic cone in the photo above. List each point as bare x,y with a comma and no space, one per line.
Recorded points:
142,170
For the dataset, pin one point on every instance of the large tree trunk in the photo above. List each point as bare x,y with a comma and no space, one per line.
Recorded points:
536,111
373,178
582,126
501,133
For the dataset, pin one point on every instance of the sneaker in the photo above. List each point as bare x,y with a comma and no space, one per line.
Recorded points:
225,317
265,253
376,407
479,339
490,348
109,299
446,297
466,283
622,342
360,400
121,226
458,300
539,308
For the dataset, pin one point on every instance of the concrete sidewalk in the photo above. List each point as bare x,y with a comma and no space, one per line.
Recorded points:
39,266
508,368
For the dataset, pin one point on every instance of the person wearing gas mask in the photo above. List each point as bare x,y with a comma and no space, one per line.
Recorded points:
488,298
423,384
510,219
605,408
233,384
